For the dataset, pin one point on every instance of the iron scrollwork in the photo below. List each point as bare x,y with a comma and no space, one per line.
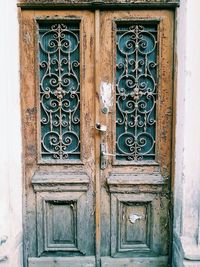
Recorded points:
59,74
136,91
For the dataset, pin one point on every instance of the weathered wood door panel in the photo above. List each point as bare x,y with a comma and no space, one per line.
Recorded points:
57,101
97,117
136,66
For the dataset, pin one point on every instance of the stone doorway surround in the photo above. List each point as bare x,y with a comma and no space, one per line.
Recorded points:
186,227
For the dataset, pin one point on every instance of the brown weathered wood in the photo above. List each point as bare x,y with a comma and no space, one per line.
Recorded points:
28,110
99,4
96,208
147,208
134,183
135,178
50,222
97,138
60,181
39,175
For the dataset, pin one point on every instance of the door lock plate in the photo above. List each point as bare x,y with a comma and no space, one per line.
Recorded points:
100,127
103,156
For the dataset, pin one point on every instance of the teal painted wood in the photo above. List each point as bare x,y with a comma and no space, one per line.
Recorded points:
134,262
136,91
62,262
63,224
59,64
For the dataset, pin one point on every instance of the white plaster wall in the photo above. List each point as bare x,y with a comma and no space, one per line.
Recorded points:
10,136
187,174
180,71
191,168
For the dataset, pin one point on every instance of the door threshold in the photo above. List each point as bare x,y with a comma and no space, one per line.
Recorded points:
62,262
134,262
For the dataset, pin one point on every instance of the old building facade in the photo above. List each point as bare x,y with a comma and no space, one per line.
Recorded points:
122,200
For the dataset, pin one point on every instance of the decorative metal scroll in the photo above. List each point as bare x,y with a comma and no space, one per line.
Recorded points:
136,90
59,72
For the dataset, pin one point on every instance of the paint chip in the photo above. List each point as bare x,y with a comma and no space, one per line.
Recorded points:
134,217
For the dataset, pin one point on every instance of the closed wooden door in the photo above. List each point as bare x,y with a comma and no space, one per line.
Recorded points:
97,121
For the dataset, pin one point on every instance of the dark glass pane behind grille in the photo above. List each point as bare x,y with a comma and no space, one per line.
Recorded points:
59,72
136,91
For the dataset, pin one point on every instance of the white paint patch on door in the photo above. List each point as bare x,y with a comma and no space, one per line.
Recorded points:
134,217
106,96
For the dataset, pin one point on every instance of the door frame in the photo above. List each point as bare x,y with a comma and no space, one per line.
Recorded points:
92,5
98,4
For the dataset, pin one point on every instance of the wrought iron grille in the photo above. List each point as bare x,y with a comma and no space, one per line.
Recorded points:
136,91
59,74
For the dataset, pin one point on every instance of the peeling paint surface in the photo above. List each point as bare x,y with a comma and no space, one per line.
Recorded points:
134,217
106,96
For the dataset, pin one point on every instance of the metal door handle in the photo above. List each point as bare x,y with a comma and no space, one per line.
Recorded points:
103,156
108,154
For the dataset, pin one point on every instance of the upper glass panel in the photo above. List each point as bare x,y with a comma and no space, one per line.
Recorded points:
136,91
59,75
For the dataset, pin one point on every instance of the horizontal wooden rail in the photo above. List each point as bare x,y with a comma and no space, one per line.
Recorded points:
98,4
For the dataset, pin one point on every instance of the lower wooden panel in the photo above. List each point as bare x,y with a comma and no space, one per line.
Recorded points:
134,262
139,225
62,219
61,262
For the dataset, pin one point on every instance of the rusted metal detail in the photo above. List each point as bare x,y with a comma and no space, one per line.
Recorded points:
100,4
136,90
59,89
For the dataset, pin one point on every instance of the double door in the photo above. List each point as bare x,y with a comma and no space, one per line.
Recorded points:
97,121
